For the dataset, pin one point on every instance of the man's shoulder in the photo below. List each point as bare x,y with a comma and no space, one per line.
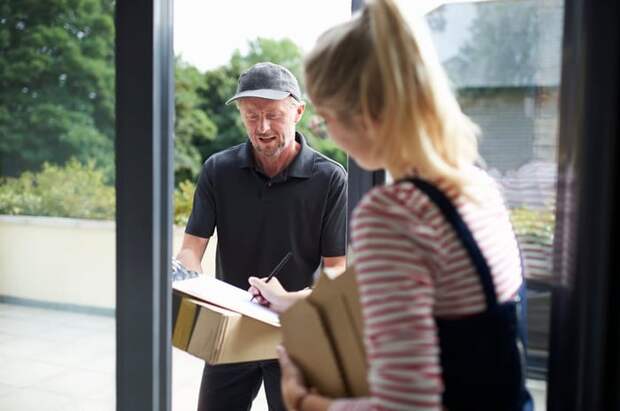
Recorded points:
325,166
229,157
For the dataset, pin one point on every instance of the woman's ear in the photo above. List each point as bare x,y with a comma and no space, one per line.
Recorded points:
370,124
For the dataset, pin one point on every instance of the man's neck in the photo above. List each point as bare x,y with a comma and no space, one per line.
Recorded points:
272,166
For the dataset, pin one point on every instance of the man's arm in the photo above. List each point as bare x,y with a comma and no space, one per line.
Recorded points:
334,225
192,251
334,266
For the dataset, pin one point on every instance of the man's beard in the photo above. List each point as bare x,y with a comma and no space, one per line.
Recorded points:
271,150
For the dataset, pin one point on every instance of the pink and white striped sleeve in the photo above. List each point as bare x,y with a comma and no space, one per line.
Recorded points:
397,296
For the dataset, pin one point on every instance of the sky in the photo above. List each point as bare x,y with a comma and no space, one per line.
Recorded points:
206,32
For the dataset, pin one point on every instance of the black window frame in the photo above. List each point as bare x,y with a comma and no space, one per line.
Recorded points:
584,359
144,181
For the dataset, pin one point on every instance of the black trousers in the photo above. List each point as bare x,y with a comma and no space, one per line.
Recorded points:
233,387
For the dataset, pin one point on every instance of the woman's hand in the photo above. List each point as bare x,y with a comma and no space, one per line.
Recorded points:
271,294
293,385
295,392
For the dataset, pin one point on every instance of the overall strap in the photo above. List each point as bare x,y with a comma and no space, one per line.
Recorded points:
463,233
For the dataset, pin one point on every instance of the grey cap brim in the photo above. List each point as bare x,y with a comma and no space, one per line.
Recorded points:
263,93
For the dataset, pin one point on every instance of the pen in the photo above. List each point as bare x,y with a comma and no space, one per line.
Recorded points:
277,269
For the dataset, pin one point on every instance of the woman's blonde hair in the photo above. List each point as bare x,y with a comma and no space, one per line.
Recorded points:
379,66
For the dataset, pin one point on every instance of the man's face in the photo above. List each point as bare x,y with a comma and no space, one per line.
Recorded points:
270,123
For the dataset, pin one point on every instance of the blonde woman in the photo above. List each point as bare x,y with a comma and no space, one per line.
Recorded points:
438,264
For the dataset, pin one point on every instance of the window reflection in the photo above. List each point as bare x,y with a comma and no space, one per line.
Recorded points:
504,60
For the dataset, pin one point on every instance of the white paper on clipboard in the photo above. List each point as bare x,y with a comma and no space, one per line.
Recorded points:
217,292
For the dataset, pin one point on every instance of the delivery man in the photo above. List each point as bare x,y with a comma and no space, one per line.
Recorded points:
269,196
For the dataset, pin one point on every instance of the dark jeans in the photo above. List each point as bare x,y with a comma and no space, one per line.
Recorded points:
233,387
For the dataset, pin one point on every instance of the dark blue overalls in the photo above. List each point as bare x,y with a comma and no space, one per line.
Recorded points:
482,355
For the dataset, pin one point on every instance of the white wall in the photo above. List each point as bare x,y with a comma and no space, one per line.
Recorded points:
66,261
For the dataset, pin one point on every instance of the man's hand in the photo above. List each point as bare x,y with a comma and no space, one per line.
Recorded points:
180,272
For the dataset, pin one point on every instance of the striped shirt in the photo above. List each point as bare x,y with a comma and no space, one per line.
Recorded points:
412,268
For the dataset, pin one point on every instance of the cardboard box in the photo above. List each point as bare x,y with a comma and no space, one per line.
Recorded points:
219,335
324,336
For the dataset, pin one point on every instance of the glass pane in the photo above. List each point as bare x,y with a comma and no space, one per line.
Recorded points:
504,60
57,232
213,45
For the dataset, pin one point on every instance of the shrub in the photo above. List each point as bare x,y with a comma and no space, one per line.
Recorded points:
183,200
537,224
535,230
74,190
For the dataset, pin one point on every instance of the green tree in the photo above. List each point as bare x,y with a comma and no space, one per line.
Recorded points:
56,83
193,129
501,50
284,52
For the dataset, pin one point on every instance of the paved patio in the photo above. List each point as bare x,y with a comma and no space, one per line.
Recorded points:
60,361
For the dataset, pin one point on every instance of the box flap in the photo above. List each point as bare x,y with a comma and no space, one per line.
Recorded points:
347,284
247,339
184,323
308,344
209,331
221,336
337,302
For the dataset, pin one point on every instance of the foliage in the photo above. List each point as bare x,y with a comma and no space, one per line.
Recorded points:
183,201
312,126
56,83
75,190
57,91
193,128
538,224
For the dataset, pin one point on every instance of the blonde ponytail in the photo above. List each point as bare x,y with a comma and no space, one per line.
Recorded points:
379,66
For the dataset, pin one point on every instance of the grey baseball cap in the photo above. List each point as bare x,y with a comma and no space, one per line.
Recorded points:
267,80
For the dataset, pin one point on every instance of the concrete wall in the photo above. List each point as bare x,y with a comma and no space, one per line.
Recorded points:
64,261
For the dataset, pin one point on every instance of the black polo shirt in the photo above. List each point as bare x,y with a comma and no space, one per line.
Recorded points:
259,219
